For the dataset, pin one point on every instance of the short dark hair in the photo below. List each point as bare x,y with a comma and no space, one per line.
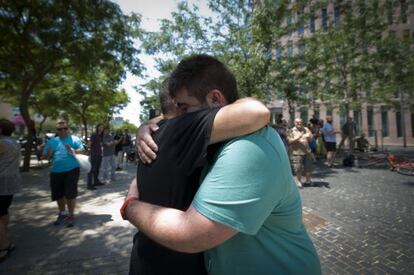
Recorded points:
167,105
199,74
7,127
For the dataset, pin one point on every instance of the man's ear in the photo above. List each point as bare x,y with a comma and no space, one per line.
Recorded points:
216,99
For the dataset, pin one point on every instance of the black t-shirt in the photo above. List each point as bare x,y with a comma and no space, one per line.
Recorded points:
171,181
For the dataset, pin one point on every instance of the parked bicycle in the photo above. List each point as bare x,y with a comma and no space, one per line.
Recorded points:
400,164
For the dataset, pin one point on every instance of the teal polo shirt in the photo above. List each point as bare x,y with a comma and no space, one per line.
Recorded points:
62,160
250,188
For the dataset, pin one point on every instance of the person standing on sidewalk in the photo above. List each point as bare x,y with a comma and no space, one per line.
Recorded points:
108,155
348,133
329,134
126,147
118,149
299,137
10,182
64,174
95,147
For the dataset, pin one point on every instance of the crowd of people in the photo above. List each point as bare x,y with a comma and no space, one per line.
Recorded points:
306,144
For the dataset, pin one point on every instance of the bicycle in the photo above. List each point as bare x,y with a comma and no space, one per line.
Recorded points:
401,165
369,159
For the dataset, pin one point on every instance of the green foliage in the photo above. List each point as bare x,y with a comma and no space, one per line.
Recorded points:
45,42
127,125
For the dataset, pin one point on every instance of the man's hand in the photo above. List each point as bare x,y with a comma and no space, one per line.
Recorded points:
145,145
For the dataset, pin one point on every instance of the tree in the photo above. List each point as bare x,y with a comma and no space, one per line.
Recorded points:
229,35
42,38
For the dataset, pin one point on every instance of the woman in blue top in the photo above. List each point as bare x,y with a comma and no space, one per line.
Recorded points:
64,174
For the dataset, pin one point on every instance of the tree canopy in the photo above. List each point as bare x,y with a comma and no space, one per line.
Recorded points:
42,41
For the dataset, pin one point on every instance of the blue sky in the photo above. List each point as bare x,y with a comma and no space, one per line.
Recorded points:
152,11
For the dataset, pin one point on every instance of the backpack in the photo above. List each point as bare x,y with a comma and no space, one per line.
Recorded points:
349,160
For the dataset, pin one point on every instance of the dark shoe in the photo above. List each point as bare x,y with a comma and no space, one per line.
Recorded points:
8,251
118,169
99,183
70,221
91,188
60,219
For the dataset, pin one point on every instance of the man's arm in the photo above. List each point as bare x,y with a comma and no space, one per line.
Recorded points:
184,231
292,139
242,117
239,118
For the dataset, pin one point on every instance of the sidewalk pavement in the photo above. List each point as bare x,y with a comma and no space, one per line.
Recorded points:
360,220
99,243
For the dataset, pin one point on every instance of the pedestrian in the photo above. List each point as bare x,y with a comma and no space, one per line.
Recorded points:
10,182
64,173
320,143
126,147
118,149
282,130
348,133
247,212
95,147
108,155
173,178
329,134
299,137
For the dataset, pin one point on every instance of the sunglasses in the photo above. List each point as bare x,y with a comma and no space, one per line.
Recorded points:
61,129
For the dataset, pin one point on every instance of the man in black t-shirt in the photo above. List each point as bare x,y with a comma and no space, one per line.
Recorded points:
173,178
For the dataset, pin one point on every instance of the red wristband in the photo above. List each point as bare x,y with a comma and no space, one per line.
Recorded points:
125,205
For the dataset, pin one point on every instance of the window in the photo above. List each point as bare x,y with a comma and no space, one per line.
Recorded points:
412,123
384,121
300,22
324,19
301,49
316,114
370,119
406,34
289,24
304,115
399,124
342,115
268,54
290,49
312,21
329,112
403,11
357,119
337,14
390,12
278,54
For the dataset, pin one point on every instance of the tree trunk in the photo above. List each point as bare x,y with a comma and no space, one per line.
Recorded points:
85,127
31,130
292,111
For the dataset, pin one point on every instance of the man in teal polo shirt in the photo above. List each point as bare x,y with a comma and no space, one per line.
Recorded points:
64,174
247,213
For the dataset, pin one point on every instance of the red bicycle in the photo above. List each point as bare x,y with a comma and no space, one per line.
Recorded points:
402,165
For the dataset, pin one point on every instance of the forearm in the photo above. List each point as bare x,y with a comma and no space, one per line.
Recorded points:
166,226
242,117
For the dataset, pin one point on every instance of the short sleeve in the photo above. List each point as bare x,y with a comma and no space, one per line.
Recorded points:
245,183
77,143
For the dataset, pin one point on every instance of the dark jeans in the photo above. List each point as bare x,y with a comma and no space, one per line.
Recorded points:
96,164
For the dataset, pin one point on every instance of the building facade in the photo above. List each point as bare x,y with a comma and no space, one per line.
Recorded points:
381,123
